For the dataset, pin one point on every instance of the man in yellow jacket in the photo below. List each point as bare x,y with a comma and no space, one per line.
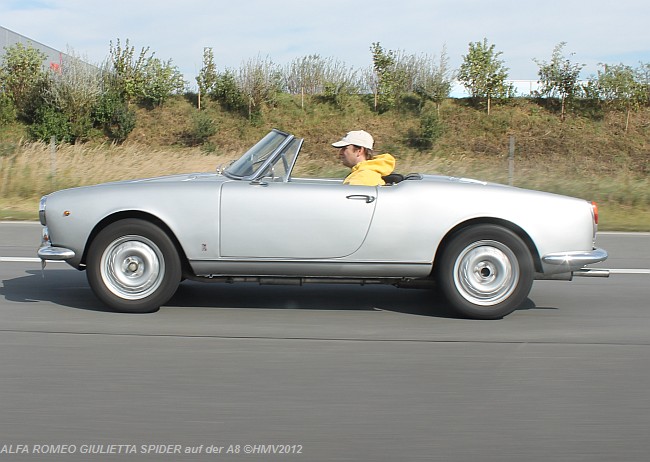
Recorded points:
355,151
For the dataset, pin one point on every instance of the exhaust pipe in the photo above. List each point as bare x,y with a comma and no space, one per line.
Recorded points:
592,273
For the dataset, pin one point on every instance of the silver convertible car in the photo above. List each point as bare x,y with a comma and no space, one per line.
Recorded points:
480,244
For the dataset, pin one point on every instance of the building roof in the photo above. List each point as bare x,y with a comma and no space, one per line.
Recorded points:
10,38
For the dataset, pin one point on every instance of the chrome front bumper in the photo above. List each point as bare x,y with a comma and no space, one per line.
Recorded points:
49,252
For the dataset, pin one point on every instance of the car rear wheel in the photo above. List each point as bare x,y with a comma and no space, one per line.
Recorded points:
485,272
133,266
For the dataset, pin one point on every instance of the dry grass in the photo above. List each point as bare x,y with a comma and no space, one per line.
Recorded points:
36,169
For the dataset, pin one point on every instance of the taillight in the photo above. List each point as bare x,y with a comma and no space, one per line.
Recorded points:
594,210
41,210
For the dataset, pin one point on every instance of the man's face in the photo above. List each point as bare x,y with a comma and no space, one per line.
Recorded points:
350,155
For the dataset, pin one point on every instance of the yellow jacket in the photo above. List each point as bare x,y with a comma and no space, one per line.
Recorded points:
369,172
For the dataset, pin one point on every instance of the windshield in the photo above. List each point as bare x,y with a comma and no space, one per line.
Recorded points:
255,158
280,169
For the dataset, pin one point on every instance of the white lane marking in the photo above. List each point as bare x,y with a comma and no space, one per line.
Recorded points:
622,233
25,260
629,271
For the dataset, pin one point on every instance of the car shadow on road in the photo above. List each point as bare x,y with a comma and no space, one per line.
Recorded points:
69,288
338,297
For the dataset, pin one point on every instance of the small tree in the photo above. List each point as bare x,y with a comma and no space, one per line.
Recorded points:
559,77
147,79
483,74
643,75
433,81
128,72
207,78
112,112
620,87
304,76
384,81
22,78
75,90
339,83
161,80
260,82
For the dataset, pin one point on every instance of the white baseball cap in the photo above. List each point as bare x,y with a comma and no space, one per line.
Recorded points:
357,138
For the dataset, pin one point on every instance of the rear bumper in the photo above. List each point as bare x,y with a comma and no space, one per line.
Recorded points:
575,260
565,265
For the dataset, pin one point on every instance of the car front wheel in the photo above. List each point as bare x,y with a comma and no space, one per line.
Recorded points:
485,272
133,266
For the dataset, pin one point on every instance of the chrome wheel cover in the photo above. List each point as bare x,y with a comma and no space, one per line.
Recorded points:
132,267
486,273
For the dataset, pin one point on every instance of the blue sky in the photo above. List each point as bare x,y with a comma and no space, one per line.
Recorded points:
595,31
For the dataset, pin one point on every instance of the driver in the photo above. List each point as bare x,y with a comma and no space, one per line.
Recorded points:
355,151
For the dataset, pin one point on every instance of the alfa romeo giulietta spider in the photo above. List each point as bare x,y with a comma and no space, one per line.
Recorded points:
480,244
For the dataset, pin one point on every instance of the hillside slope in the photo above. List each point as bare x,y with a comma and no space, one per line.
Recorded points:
588,155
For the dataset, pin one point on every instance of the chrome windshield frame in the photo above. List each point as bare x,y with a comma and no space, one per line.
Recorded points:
251,157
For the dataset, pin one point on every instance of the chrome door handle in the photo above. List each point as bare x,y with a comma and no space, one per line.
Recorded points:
361,197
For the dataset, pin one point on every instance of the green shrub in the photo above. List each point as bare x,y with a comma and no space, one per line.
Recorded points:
227,93
122,123
202,128
50,122
431,129
7,110
336,94
113,115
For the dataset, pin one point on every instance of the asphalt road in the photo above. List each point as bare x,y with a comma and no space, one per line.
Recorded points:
323,373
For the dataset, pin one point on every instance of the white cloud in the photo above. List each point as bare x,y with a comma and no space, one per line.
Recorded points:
595,30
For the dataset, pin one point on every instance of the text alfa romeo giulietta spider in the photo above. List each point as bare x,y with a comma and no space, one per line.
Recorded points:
480,244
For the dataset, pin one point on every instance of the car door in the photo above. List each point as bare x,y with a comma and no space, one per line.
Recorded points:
293,219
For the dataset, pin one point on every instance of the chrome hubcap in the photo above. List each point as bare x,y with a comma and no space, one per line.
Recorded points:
486,273
132,267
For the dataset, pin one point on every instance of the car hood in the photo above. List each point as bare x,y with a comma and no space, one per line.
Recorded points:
179,178
175,178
